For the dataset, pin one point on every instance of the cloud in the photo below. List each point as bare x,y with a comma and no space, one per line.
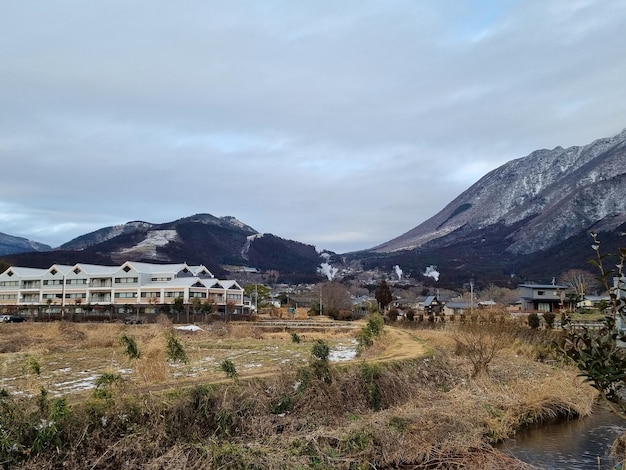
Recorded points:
341,125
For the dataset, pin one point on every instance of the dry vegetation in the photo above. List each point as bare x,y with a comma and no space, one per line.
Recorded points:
410,401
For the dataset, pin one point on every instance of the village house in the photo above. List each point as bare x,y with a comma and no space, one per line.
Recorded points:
541,297
433,305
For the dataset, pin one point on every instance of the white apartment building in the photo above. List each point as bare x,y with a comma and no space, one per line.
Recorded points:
133,287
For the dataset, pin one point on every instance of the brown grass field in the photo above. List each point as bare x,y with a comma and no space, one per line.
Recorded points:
71,355
409,401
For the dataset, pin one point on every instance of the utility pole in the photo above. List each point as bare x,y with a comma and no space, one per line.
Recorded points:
471,296
320,300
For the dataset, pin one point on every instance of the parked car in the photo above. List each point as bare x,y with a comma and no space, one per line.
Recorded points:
11,319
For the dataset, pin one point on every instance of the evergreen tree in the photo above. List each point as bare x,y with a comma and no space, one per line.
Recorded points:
383,295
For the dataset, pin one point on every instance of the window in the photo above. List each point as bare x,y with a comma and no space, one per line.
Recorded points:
126,280
173,294
76,281
52,282
541,292
126,269
30,284
150,294
53,272
8,296
233,296
10,283
125,295
76,270
76,296
543,307
161,279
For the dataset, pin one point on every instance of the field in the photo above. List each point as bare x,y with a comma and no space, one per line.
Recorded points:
409,400
67,358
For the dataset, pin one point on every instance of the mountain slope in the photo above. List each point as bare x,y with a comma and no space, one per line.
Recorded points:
535,202
198,239
10,244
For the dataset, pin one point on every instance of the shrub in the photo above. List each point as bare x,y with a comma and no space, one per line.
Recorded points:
364,340
224,422
282,405
370,332
33,366
175,349
393,314
481,340
369,374
105,384
131,348
376,324
549,317
228,368
319,361
533,321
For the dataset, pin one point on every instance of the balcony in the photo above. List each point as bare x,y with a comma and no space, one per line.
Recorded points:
99,284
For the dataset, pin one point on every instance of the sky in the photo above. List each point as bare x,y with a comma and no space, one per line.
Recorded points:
338,124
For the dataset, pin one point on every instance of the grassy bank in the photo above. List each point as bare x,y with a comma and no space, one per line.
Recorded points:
383,410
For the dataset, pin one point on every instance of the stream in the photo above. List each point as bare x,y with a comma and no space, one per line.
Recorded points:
582,444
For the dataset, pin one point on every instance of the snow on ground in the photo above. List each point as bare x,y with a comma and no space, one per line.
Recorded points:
154,239
188,328
65,380
343,352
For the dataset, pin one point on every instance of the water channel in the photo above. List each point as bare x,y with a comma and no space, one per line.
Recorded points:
583,444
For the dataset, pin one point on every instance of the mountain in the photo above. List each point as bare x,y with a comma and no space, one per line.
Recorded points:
525,214
528,220
10,244
199,239
104,234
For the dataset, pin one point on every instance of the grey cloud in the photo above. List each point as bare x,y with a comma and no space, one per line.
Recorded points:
322,122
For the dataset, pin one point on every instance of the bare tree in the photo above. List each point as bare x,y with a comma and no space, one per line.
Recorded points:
483,337
501,295
335,297
579,282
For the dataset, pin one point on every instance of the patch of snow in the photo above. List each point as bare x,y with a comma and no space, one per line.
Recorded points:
154,239
188,328
246,247
343,353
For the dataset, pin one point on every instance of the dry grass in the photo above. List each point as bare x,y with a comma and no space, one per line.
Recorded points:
72,355
410,403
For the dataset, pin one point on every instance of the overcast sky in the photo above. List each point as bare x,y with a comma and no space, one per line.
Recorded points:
339,124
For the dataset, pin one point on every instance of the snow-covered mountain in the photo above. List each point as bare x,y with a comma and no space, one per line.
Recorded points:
535,202
10,244
198,239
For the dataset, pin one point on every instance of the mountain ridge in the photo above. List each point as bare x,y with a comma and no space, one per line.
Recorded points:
546,187
527,219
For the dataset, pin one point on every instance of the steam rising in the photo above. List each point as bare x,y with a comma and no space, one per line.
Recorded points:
398,272
326,269
431,271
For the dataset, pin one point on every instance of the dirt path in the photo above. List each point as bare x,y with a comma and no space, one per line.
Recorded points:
401,344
